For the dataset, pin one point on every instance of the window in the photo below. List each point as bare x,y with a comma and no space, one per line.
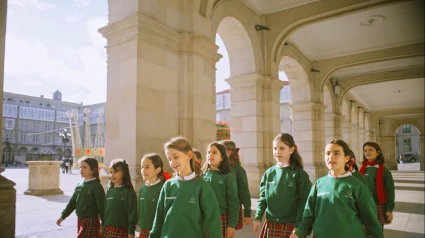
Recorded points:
35,138
227,100
47,139
9,111
407,145
47,127
9,124
23,137
23,126
219,101
36,126
406,129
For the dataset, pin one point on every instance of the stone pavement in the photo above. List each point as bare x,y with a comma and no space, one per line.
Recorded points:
36,216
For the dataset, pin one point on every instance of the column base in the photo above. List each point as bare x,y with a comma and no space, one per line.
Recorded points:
43,192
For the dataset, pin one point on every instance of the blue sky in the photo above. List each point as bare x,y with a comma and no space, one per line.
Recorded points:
52,44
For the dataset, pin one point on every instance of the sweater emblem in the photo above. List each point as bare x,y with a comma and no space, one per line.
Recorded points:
122,198
89,192
142,198
153,199
192,200
78,190
220,181
290,184
349,194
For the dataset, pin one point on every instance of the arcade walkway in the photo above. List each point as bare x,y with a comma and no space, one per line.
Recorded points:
36,216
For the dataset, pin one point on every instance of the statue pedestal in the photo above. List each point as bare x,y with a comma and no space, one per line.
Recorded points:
44,178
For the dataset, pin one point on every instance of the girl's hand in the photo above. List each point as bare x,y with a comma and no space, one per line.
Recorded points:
59,221
247,221
230,232
130,236
293,236
294,230
101,228
389,217
256,226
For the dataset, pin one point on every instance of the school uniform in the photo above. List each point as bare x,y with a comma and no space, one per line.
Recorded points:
283,194
148,200
226,192
244,195
339,207
383,195
88,202
186,207
120,212
359,176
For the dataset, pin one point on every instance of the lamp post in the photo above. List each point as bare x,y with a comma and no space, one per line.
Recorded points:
65,135
7,151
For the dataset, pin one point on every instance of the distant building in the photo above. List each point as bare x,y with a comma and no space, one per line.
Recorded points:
223,108
33,123
408,142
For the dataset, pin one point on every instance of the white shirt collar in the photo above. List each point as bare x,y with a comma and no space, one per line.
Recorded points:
154,183
282,166
88,180
189,177
376,165
347,174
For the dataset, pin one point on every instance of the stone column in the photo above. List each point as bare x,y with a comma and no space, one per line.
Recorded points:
161,77
7,190
255,121
362,140
308,128
355,139
346,132
329,126
422,138
388,148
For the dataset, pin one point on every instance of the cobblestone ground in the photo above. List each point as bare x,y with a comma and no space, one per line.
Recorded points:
36,216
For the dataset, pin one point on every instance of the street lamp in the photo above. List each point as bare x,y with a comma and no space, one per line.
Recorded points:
7,151
65,135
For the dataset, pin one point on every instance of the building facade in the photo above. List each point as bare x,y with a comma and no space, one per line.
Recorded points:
33,123
408,143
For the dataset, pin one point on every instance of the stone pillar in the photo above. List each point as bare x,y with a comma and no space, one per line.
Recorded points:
7,190
355,139
255,120
44,178
422,138
308,128
160,72
338,120
346,132
388,148
329,126
362,140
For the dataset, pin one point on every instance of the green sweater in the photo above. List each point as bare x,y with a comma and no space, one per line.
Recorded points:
186,209
370,175
338,207
243,190
121,208
88,200
283,194
360,177
226,192
148,199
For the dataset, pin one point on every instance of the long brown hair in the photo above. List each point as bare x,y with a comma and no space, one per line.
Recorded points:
234,155
157,163
93,164
224,167
183,145
380,158
121,165
295,159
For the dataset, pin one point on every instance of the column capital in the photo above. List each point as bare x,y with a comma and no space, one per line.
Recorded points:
246,80
193,43
310,106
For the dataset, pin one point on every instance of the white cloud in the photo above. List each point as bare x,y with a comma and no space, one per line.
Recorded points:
73,17
82,3
38,4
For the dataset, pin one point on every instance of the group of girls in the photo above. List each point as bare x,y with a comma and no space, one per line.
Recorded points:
213,200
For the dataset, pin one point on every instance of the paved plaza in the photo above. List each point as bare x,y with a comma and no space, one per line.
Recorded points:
36,216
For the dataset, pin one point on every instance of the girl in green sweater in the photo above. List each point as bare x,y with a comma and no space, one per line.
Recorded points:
154,177
339,204
283,191
187,204
217,173
352,167
87,200
244,195
379,181
121,203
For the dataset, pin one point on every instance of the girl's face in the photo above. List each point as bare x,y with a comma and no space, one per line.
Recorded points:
370,153
214,157
148,170
85,171
116,176
281,151
335,159
179,161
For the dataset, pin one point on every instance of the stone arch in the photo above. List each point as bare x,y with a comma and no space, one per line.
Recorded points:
298,79
234,22
407,121
22,151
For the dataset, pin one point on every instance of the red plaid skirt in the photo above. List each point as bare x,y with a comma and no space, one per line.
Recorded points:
114,232
88,227
224,222
239,225
381,210
276,230
144,233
